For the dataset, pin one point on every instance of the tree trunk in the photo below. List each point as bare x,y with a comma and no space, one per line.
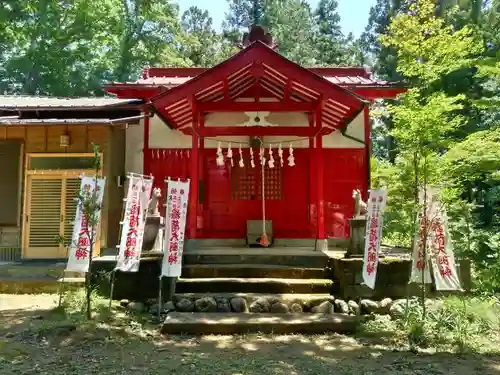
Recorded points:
88,290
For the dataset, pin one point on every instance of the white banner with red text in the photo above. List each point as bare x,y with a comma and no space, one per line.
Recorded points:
443,263
420,269
134,220
373,235
175,227
80,247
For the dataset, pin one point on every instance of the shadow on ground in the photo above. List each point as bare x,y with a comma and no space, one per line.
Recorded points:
48,342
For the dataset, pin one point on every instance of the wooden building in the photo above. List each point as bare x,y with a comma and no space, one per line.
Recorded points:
45,145
258,97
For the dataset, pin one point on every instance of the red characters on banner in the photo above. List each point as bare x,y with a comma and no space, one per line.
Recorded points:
83,246
131,240
373,236
175,216
440,244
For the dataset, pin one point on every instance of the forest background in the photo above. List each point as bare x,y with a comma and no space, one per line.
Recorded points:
444,132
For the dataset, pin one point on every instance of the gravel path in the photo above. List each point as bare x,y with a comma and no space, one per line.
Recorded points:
27,301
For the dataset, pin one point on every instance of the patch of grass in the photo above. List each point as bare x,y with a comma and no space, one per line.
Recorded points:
451,323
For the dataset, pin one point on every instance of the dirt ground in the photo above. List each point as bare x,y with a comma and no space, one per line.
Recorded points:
33,342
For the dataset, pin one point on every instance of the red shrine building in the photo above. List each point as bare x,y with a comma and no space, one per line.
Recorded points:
258,134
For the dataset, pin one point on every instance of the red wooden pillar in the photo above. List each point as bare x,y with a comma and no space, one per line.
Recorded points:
320,183
195,175
146,153
366,116
201,193
313,221
194,188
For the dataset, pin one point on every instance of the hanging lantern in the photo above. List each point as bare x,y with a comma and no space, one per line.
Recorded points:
271,159
252,162
241,163
220,158
291,159
261,156
280,154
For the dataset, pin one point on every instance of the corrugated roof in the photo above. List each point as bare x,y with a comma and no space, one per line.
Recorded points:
345,81
16,102
56,121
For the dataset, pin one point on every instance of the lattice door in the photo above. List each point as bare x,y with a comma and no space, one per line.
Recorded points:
244,183
43,216
50,212
272,183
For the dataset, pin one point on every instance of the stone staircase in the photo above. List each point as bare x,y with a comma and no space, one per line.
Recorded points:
231,269
255,270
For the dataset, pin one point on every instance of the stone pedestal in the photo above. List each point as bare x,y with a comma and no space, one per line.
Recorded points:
153,234
356,246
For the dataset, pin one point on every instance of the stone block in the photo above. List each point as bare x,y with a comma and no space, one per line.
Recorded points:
228,323
356,245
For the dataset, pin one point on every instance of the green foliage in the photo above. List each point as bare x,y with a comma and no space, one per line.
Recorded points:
305,36
331,46
397,179
202,46
457,323
69,48
471,171
426,47
424,121
476,159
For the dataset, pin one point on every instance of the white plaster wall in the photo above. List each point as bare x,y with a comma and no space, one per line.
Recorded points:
161,136
355,129
134,145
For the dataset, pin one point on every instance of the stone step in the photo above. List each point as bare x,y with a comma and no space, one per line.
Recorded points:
305,300
72,280
251,271
254,285
282,257
228,323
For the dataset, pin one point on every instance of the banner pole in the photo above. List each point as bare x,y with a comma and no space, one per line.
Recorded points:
61,282
160,302
112,288
113,272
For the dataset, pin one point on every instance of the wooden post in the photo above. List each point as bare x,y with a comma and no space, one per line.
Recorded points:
366,116
313,213
146,165
194,188
201,179
321,243
320,202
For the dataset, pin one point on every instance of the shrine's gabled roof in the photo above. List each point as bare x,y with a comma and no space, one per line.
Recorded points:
357,79
345,77
259,65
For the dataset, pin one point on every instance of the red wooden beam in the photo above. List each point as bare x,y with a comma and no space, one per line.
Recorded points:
299,131
319,116
205,79
258,106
